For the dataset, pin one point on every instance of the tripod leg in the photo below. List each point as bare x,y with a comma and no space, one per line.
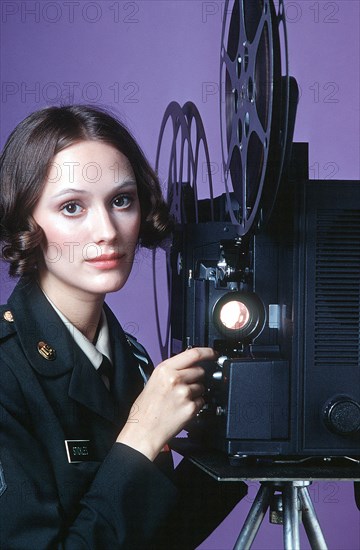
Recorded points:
254,518
291,517
311,522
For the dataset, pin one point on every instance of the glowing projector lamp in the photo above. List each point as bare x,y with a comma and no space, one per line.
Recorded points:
239,316
234,315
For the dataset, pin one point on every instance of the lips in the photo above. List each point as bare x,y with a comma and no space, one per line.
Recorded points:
106,261
105,258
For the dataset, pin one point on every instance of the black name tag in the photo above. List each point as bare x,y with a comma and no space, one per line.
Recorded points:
78,450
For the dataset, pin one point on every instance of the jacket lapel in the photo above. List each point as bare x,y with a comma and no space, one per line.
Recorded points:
37,322
87,388
128,382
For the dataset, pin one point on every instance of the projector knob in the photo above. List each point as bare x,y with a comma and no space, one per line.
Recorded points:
342,416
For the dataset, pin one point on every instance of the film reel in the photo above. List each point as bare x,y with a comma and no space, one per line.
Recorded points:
181,154
198,141
254,98
182,145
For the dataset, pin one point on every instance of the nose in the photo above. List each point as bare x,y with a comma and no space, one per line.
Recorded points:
103,226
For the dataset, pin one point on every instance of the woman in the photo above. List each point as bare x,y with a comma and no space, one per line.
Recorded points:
83,442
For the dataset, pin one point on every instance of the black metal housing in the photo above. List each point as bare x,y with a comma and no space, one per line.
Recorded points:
295,388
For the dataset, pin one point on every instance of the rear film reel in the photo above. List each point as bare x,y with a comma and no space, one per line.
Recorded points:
182,149
179,159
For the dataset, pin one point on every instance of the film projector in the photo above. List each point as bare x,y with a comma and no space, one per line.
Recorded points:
268,274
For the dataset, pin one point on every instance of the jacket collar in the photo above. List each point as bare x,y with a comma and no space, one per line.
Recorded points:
37,322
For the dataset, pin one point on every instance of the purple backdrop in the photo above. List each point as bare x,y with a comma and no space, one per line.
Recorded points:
137,57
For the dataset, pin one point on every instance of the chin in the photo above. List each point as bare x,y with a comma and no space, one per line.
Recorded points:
112,284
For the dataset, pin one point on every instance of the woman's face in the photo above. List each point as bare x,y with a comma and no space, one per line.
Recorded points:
89,211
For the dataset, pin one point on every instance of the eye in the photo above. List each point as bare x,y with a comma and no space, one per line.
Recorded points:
122,201
71,209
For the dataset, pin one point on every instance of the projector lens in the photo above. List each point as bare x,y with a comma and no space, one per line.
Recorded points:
239,316
234,315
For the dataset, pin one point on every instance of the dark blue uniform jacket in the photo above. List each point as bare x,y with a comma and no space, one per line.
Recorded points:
52,400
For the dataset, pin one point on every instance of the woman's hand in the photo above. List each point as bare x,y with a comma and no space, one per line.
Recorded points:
172,396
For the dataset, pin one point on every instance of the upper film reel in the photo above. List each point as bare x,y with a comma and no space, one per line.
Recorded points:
254,99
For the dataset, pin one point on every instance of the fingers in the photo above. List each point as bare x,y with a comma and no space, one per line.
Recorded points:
195,391
191,357
170,399
183,369
189,375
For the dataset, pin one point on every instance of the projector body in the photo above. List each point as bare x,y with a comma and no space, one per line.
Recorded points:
288,382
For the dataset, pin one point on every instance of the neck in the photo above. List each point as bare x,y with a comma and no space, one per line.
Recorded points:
82,309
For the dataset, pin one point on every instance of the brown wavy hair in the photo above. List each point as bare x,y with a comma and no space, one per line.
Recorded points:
25,163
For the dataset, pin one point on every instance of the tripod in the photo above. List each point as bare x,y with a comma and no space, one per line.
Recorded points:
294,500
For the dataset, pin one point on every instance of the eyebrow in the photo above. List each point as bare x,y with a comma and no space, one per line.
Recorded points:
70,190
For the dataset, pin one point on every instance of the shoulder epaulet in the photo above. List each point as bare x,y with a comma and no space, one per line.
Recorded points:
133,342
145,363
7,325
